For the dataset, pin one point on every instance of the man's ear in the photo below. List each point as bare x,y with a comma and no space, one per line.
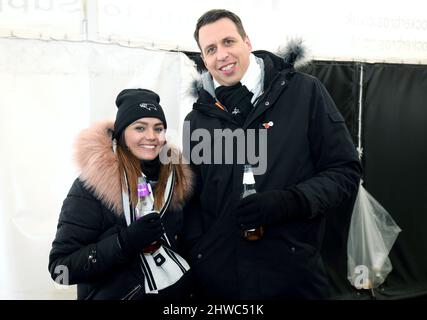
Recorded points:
203,59
248,43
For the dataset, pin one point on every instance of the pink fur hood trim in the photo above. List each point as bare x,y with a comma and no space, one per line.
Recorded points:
99,168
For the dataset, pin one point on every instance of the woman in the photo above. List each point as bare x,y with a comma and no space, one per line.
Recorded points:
100,244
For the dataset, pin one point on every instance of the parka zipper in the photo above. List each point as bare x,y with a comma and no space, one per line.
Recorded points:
91,259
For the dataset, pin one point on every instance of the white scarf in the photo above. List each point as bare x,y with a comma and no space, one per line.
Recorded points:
163,267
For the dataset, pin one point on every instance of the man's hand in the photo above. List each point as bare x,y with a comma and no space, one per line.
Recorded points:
270,207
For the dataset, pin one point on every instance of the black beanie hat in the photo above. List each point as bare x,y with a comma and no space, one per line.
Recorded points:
134,104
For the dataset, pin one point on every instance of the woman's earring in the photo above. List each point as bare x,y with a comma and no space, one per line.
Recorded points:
114,145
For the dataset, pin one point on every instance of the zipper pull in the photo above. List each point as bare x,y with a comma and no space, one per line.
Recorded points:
91,259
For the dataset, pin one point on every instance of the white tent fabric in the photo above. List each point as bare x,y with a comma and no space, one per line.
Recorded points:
364,30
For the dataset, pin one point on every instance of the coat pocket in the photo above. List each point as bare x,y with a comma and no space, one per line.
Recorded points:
91,293
336,117
132,293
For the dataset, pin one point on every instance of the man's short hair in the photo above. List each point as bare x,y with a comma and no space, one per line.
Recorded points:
214,15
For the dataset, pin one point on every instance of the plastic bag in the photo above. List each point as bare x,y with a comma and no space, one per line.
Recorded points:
371,236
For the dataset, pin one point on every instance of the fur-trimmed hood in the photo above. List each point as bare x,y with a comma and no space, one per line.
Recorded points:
294,53
99,167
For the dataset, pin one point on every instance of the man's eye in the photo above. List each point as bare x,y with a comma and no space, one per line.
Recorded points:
140,128
159,129
210,50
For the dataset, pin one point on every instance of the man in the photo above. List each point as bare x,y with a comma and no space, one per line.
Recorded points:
310,168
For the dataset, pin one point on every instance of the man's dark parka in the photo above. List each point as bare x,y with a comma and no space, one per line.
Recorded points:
309,149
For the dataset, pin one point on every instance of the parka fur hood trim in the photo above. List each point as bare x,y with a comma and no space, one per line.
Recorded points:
98,167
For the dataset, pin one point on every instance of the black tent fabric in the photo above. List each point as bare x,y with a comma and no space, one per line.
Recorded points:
393,100
394,141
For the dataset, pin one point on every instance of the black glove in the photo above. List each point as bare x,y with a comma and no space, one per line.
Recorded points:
141,233
237,100
270,207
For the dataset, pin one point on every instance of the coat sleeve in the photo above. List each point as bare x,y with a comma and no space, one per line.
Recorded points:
83,249
192,210
335,159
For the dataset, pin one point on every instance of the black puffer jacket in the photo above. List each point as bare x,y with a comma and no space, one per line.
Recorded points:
309,149
86,250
